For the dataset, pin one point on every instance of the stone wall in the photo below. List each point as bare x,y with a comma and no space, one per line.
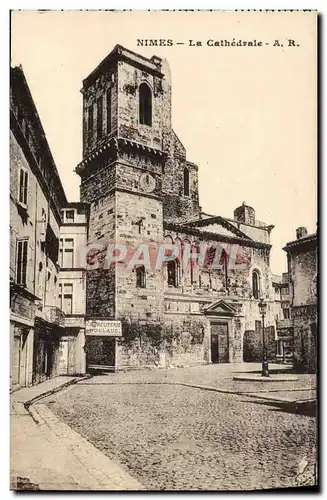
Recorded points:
100,281
303,274
178,207
98,182
302,262
176,342
131,168
100,292
131,301
305,337
140,344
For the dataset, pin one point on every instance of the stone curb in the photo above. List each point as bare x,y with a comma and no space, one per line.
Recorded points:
109,476
74,380
260,378
245,394
252,394
105,482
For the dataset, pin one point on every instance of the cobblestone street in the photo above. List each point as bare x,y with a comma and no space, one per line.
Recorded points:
174,437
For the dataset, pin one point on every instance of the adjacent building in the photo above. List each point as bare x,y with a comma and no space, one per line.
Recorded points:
72,287
302,270
284,325
36,196
37,200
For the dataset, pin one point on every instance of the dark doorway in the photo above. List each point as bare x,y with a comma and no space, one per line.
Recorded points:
44,355
100,354
219,343
214,348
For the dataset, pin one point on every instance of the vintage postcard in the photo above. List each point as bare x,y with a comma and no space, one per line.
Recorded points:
163,337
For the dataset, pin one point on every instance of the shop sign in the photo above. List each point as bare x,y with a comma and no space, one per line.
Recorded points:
103,328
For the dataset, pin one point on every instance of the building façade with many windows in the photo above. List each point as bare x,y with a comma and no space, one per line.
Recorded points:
46,327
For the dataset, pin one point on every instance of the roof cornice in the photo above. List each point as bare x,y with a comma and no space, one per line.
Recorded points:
120,53
114,144
309,242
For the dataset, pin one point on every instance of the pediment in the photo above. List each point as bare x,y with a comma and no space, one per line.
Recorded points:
219,225
220,307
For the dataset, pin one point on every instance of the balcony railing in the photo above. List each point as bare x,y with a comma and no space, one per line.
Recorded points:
77,321
54,315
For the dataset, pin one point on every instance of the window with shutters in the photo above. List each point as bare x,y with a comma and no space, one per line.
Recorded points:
21,262
23,187
66,253
65,298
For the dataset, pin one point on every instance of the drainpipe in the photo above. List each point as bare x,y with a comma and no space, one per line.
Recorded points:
46,258
35,238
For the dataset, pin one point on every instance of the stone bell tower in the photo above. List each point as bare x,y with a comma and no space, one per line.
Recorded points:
126,123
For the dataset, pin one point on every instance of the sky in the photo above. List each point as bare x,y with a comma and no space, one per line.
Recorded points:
246,115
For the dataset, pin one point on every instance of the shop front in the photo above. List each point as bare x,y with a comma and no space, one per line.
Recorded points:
101,345
49,327
22,311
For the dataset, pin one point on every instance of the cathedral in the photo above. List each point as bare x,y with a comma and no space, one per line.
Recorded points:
141,189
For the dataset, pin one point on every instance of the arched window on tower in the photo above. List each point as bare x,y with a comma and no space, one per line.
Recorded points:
90,125
140,277
99,118
186,182
255,284
145,104
173,271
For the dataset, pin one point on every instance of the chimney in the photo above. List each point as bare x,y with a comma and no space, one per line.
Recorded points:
301,232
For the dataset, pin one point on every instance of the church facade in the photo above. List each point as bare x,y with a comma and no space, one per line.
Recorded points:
201,305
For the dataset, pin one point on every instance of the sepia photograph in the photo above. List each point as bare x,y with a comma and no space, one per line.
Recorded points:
163,250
